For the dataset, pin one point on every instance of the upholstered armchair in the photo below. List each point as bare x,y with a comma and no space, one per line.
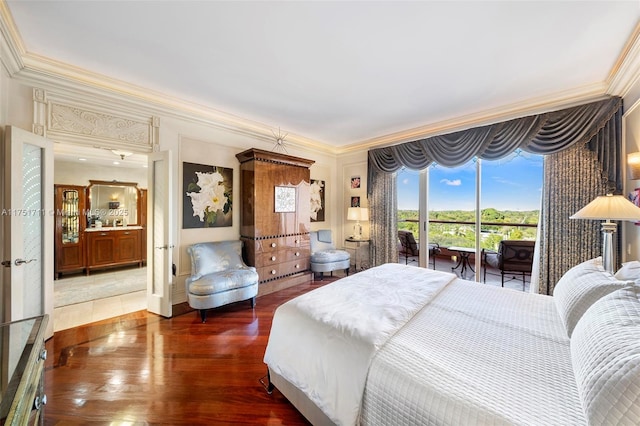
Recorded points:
324,255
219,276
512,257
409,248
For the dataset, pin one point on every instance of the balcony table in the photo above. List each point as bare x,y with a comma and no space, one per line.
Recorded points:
463,259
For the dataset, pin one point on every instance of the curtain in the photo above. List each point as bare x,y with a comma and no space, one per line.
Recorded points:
383,219
539,134
594,126
573,178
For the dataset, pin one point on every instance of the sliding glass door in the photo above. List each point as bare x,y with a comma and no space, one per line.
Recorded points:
472,207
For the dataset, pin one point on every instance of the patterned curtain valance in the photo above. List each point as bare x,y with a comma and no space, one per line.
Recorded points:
546,133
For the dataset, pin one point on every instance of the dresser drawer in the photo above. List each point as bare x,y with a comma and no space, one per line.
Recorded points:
283,269
283,255
269,245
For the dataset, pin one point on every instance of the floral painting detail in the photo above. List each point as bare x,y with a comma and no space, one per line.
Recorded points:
355,182
207,196
317,200
285,201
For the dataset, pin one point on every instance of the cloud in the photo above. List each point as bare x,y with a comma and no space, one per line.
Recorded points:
455,182
504,181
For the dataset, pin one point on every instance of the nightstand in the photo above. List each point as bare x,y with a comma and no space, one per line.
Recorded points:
358,253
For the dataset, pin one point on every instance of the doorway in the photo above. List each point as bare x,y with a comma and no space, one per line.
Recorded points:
81,298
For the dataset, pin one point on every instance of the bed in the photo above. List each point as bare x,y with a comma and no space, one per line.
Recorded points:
404,345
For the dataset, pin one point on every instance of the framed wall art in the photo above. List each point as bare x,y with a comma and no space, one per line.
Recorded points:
207,196
355,182
317,200
285,201
355,201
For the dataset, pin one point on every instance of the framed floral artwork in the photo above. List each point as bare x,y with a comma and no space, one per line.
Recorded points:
207,196
317,200
355,201
285,199
355,182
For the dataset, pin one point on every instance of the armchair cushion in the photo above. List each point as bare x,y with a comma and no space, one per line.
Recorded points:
324,255
219,276
329,256
217,282
324,235
207,258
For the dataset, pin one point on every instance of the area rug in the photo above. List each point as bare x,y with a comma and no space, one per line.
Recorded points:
98,285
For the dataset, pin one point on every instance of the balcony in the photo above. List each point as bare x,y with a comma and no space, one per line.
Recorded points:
462,234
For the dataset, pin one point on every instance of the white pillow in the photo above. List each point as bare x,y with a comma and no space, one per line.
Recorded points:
605,353
630,271
580,287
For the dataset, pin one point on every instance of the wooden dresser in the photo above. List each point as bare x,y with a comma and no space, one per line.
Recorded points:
275,216
22,371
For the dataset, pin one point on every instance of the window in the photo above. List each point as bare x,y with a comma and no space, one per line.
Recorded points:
508,194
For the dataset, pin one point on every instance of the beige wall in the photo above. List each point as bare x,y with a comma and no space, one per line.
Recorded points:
189,141
631,136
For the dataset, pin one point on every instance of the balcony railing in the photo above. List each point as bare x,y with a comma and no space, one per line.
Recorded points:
462,234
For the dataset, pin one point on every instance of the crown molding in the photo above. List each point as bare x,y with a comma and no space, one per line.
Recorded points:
11,45
626,70
54,75
555,101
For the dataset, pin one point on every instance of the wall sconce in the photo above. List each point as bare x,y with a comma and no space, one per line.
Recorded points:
633,161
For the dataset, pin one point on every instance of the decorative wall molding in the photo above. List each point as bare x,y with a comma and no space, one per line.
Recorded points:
70,120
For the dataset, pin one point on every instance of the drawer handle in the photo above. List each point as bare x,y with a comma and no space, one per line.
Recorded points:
297,266
40,401
297,241
273,258
103,234
127,233
273,272
43,354
297,253
273,244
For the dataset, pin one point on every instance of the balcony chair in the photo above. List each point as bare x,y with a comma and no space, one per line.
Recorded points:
409,248
512,257
324,255
219,276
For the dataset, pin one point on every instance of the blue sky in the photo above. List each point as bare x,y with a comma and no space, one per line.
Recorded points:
513,183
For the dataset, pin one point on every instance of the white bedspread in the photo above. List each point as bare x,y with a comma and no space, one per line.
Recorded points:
323,341
476,355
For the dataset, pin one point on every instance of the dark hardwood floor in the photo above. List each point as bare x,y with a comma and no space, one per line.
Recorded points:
145,369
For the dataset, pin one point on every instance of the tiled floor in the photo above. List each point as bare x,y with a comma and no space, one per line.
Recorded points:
70,316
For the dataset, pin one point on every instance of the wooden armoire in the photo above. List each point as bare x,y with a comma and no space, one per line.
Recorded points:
275,217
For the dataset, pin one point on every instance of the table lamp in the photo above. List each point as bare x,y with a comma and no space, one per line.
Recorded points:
608,207
357,214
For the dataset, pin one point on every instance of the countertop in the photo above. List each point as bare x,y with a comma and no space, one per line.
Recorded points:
113,228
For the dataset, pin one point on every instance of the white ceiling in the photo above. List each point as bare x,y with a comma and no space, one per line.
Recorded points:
339,73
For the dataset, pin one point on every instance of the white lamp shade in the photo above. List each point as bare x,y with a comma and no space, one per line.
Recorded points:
609,207
357,213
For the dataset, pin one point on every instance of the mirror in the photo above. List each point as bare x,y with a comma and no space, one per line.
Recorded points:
113,203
